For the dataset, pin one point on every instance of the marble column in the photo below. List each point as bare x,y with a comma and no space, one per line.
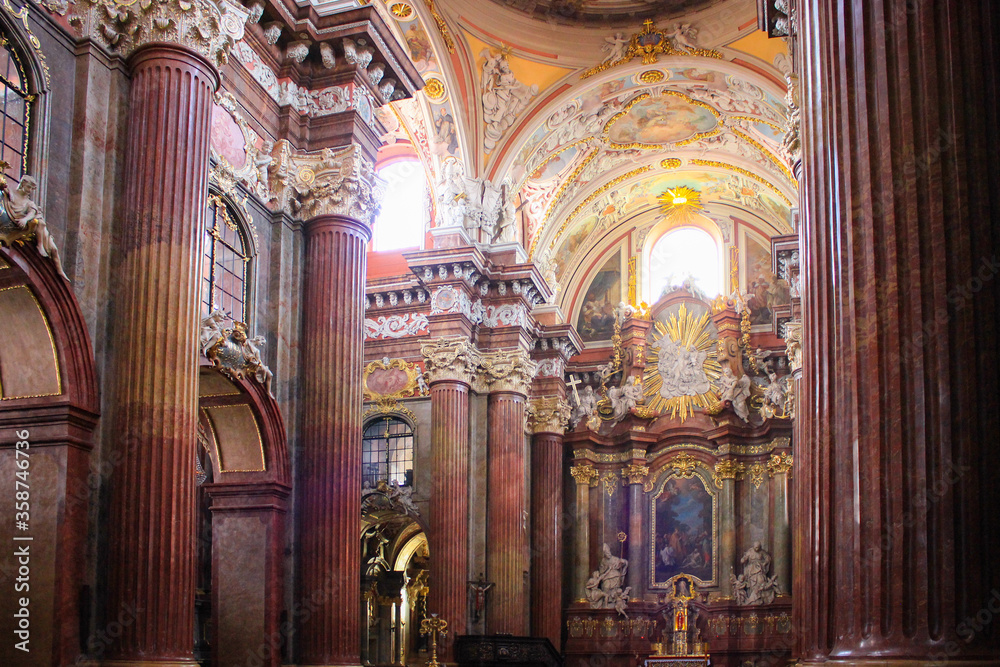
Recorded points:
635,475
339,201
896,474
451,365
779,468
586,478
726,472
157,276
548,418
508,375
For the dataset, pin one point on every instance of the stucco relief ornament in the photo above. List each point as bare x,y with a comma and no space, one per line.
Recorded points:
503,96
228,345
508,370
328,182
450,359
210,28
21,218
549,414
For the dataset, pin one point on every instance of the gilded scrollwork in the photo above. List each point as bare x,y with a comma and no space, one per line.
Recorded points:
584,474
779,464
227,343
327,182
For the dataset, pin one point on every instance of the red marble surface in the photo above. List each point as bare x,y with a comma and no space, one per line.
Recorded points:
896,471
547,537
448,537
329,485
506,532
158,276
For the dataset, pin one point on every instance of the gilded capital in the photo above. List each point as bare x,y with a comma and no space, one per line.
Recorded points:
507,370
727,469
793,346
549,414
327,182
779,464
584,474
122,26
450,359
635,473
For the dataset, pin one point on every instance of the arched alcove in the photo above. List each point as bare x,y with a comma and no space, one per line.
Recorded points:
49,402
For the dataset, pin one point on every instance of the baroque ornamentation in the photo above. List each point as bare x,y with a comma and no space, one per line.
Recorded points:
253,172
682,365
329,182
635,473
584,473
210,28
395,326
503,97
683,465
727,469
388,496
649,44
793,346
779,464
232,351
454,359
755,586
21,218
548,414
387,381
606,587
507,370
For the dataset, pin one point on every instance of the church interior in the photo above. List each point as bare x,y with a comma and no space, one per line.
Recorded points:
591,333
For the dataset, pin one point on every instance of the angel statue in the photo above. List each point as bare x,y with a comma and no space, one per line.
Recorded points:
21,217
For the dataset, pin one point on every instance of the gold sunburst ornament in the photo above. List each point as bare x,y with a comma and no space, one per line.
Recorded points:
682,368
680,201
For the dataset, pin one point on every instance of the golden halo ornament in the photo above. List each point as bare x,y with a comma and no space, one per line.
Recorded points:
682,369
671,163
401,10
680,201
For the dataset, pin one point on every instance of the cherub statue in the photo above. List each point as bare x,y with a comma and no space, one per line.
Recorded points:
212,330
26,218
615,48
736,391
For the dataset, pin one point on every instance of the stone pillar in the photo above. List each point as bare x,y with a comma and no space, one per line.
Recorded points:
451,365
635,475
339,198
508,375
586,478
726,472
897,530
548,418
157,273
779,467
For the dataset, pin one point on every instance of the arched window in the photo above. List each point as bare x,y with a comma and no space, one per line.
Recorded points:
226,267
16,111
387,452
685,254
401,222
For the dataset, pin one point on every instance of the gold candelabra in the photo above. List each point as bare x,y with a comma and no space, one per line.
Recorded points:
434,627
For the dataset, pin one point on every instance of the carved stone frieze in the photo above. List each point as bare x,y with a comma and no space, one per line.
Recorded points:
210,28
450,359
328,182
508,370
548,414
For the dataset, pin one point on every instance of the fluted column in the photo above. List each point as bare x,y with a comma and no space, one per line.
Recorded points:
635,475
157,268
548,419
329,487
508,375
338,195
450,364
586,478
896,485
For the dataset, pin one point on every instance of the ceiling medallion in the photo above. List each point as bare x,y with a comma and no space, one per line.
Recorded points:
670,163
434,88
651,76
401,10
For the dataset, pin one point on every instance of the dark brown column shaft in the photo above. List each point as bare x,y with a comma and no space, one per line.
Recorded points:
896,480
329,489
448,540
158,276
506,536
547,537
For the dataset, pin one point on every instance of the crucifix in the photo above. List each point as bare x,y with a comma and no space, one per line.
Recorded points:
572,383
479,588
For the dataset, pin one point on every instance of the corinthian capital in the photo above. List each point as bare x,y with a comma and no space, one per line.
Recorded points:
327,182
508,370
210,28
549,414
450,359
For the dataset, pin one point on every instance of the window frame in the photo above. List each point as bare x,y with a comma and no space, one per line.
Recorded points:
406,460
242,226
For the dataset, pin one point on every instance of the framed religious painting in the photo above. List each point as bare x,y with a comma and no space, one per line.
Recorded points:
684,518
